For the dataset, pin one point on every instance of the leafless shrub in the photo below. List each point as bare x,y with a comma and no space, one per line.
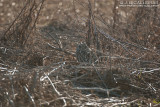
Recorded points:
21,28
125,63
127,49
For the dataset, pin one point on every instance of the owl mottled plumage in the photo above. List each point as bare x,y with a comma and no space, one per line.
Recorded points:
84,54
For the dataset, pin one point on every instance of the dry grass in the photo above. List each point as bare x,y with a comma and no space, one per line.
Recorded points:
38,63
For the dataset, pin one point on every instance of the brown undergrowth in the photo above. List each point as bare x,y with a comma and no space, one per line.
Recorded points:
38,64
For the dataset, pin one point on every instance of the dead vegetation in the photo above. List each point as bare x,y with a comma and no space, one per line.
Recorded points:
39,65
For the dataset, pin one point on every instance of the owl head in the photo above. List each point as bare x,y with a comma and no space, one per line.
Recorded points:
83,46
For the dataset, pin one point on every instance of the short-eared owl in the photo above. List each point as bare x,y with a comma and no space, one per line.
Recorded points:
84,54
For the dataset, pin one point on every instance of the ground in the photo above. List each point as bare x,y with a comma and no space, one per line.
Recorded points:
38,63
